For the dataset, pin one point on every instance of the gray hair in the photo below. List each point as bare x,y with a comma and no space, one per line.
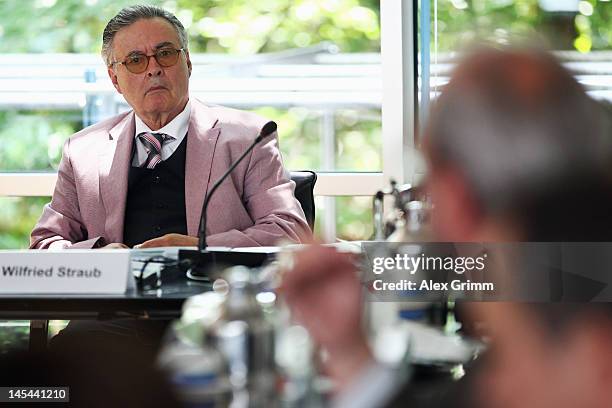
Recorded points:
529,141
128,16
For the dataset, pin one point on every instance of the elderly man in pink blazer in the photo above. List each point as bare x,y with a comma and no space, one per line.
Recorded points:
140,178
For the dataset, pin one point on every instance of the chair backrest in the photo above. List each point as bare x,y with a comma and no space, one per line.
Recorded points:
305,181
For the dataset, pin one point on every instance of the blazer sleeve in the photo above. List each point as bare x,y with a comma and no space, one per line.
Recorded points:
60,225
270,201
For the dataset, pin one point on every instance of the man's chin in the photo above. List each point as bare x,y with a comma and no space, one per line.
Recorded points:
156,91
158,106
157,97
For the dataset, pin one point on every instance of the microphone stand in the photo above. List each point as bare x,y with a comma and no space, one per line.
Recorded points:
198,263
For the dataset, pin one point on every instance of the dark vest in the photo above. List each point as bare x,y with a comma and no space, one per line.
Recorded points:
155,203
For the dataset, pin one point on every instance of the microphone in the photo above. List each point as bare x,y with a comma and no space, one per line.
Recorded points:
266,131
203,257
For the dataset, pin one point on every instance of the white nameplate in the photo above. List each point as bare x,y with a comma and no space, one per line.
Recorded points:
86,271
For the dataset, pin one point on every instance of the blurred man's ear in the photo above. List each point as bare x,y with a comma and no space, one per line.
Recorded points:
592,360
113,78
456,215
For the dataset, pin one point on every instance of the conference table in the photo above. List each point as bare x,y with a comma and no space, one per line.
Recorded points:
163,303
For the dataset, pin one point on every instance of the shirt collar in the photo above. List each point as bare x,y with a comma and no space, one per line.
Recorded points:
177,128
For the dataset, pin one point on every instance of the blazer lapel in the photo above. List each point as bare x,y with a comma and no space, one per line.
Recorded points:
113,170
201,141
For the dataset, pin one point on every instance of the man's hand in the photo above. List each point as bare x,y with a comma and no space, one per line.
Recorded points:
115,245
169,240
324,294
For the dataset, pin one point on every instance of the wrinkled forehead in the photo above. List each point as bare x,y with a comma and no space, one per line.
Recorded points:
145,36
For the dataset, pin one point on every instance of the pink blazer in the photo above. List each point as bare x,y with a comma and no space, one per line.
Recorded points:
254,206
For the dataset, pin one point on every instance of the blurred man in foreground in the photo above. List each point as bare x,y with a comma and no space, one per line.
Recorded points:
517,152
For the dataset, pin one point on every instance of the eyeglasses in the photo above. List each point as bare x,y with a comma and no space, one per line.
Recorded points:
138,63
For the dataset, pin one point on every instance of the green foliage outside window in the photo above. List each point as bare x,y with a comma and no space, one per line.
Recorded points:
31,140
460,22
219,26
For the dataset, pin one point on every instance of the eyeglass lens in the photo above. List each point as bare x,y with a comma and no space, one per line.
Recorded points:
138,63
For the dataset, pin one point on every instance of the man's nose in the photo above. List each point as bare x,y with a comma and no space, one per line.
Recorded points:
153,68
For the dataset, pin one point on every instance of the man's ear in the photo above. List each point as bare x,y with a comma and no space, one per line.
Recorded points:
189,65
113,78
593,360
596,349
456,215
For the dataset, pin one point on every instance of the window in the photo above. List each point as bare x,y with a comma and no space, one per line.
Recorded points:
578,31
314,66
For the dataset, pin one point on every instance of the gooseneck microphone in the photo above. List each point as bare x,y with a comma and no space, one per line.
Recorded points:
197,263
266,131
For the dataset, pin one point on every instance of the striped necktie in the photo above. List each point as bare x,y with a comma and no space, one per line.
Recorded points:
153,143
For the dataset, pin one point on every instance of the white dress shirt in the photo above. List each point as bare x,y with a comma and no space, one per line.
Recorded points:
176,130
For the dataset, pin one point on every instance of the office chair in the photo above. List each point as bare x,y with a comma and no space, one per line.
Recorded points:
305,181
